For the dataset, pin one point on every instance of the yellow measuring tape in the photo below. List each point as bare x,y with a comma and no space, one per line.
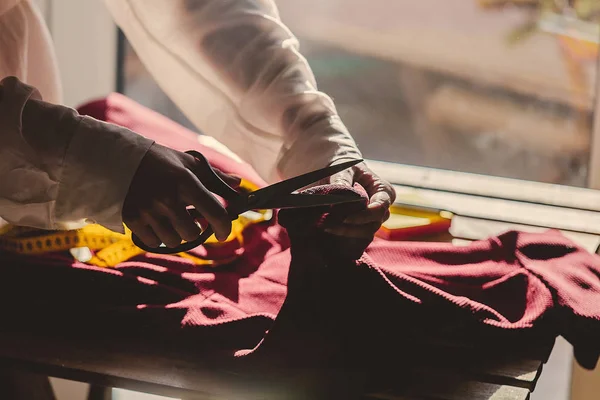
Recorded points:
108,248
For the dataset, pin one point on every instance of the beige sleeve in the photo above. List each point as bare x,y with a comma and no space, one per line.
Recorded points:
59,169
26,50
6,5
236,72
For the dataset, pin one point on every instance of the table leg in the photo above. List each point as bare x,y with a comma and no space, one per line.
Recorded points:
99,393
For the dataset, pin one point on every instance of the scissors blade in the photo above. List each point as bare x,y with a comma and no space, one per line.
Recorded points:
290,185
308,200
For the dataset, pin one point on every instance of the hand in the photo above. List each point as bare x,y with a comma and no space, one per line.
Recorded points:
381,196
166,182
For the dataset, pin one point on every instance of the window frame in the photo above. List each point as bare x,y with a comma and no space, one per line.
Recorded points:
594,162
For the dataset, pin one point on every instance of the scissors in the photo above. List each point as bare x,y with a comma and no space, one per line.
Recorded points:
277,196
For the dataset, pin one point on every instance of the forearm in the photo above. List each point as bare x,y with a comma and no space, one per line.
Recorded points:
235,70
59,169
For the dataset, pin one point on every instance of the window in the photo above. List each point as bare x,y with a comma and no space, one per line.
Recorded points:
483,86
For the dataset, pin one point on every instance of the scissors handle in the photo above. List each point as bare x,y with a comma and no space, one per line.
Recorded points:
183,247
210,179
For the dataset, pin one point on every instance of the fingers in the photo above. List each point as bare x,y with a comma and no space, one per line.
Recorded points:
344,178
364,224
164,230
378,210
164,224
154,229
181,221
144,232
381,197
195,194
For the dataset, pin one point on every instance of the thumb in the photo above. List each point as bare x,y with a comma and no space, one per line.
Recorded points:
344,178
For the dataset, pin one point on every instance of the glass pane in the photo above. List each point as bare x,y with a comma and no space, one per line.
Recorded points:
496,87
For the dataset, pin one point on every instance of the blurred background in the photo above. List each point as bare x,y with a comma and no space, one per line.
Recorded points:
497,87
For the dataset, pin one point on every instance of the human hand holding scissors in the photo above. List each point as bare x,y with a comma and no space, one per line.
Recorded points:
277,196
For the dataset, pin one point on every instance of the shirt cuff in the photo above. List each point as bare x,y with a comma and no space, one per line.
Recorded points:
319,146
99,166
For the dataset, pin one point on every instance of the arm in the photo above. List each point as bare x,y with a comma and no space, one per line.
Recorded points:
59,169
235,70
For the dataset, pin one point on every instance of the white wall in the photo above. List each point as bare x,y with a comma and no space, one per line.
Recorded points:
85,41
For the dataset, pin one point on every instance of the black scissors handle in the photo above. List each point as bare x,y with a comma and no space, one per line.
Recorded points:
211,180
183,247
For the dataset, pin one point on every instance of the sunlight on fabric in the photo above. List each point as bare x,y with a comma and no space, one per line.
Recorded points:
122,394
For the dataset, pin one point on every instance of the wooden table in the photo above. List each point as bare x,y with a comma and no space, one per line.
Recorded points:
487,206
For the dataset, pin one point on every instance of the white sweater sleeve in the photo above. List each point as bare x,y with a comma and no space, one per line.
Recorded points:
58,168
234,69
